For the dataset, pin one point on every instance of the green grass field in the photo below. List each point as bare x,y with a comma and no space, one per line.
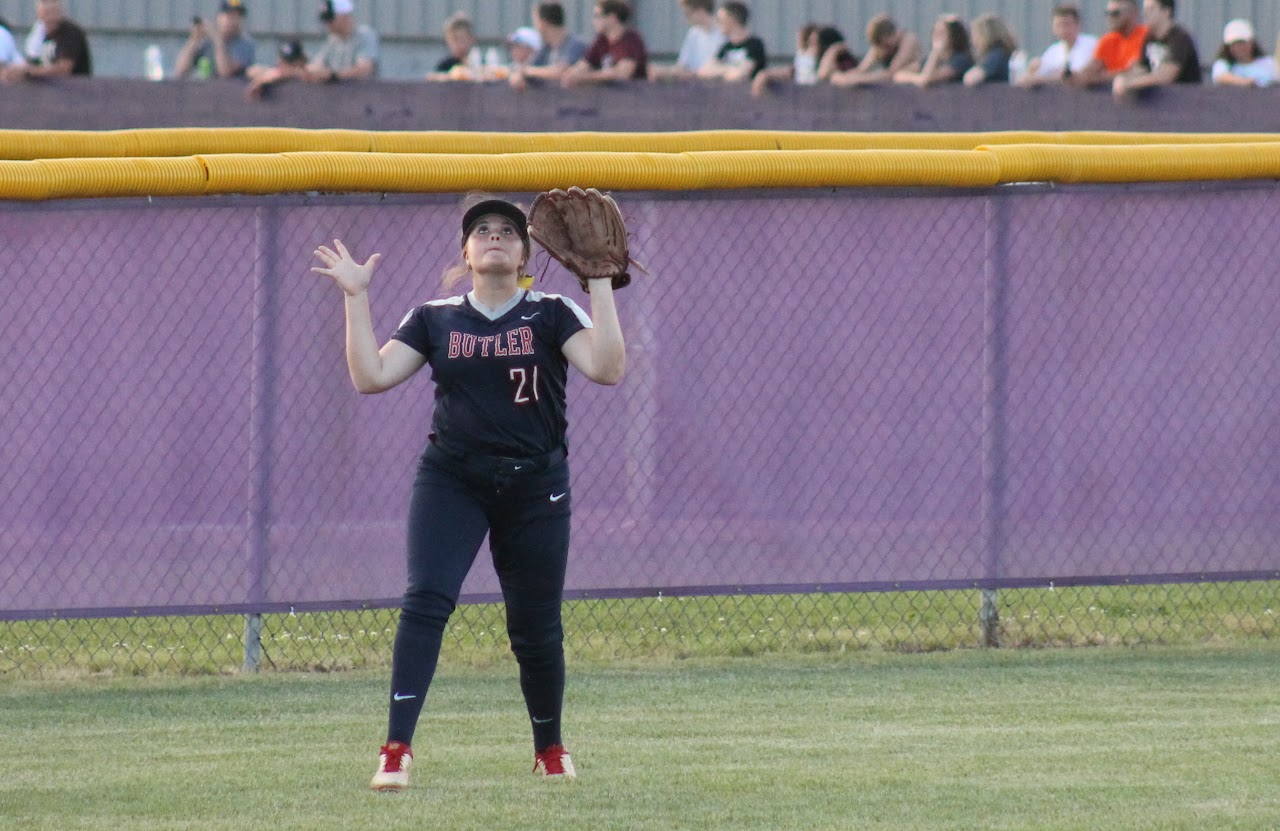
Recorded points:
1116,738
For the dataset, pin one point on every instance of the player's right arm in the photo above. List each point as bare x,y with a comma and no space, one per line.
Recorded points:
372,369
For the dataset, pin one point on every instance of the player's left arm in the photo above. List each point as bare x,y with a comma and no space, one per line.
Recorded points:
600,353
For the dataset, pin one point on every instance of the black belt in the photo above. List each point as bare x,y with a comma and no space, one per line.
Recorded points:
503,464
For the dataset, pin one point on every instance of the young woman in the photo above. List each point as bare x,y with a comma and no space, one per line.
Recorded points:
993,46
495,462
1240,61
949,58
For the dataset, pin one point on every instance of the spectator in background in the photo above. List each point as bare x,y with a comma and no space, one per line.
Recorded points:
892,51
291,65
64,49
523,45
742,56
229,52
351,51
1241,61
10,55
1118,50
1069,54
825,53
833,53
701,42
1169,55
560,50
804,64
617,54
463,62
950,55
994,45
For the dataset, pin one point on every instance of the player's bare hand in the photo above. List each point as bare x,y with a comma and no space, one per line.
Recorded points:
351,276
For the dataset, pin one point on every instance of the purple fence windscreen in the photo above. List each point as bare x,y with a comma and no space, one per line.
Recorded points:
834,390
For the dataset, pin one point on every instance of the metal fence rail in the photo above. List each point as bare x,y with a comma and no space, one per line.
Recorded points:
661,627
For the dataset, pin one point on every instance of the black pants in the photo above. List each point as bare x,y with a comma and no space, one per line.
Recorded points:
523,504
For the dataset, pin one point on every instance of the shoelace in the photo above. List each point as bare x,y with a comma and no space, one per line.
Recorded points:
393,758
551,759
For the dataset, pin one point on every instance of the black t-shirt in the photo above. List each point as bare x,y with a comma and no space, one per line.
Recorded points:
67,42
500,384
1176,46
750,51
448,62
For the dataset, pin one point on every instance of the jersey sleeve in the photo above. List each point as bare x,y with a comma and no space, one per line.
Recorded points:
570,320
414,331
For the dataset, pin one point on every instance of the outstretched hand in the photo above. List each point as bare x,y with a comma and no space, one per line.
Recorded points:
351,276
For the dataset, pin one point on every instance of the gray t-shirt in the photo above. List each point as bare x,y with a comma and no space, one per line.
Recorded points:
338,54
241,49
569,53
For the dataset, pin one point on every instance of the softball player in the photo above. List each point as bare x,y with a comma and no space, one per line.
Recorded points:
495,461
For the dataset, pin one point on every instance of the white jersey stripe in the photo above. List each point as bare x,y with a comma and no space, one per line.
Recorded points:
535,296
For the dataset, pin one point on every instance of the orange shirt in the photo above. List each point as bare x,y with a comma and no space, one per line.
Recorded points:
1117,52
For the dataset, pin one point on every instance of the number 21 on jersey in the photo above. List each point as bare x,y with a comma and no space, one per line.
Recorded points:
526,384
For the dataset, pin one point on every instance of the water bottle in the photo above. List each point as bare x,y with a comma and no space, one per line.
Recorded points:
204,67
154,61
475,64
493,69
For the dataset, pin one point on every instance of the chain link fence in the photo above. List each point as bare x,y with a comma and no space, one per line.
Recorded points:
661,627
852,420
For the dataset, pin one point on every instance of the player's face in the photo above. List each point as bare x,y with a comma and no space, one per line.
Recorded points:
495,245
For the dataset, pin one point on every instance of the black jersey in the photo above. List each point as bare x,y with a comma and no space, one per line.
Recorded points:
500,384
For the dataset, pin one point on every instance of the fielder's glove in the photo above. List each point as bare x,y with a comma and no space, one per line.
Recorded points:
583,229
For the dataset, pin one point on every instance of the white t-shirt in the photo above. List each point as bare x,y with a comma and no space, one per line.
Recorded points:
1261,71
700,45
9,53
1057,57
35,41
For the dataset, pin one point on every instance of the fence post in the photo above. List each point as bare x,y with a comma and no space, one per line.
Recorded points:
266,221
994,415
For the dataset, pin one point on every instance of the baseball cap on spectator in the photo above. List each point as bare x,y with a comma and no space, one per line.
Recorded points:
1236,31
332,8
236,6
526,36
292,52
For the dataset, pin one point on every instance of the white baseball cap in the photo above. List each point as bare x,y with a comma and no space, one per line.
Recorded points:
331,8
526,36
1237,30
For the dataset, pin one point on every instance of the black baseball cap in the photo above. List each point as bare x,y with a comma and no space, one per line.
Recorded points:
501,207
233,6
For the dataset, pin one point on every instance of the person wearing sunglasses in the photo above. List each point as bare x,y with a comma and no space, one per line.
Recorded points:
1118,50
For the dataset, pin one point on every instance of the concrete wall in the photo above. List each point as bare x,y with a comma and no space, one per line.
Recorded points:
102,103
